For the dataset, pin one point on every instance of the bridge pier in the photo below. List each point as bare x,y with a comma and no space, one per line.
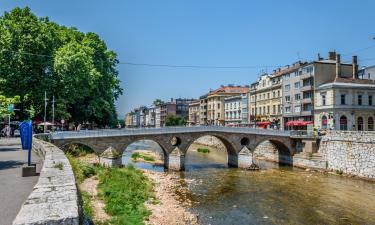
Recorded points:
176,160
242,160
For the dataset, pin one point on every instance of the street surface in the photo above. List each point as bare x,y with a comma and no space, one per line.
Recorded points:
14,189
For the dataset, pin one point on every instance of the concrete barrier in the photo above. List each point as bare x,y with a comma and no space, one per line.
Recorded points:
54,199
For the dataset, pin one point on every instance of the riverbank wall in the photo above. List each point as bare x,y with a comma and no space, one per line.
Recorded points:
54,199
350,152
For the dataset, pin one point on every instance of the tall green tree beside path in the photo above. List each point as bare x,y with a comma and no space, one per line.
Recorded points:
37,55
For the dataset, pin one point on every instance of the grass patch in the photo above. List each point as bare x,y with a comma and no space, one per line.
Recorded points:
136,155
87,206
203,150
79,150
59,166
124,191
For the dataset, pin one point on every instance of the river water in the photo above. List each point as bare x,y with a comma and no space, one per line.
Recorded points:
274,195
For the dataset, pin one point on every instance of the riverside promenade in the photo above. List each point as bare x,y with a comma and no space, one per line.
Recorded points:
14,189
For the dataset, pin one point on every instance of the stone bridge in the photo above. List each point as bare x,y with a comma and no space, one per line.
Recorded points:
240,143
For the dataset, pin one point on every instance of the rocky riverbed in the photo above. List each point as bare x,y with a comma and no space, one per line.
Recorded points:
170,209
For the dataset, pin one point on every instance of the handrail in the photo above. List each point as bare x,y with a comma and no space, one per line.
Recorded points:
163,130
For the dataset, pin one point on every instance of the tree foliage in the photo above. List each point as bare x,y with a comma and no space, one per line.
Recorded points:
172,120
5,103
37,55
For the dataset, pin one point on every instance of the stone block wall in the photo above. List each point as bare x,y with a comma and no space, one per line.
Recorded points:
267,151
54,199
350,152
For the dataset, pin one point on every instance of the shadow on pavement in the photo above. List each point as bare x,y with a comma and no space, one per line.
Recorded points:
10,164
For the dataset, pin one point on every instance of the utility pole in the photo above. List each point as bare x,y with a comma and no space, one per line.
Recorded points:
45,111
53,110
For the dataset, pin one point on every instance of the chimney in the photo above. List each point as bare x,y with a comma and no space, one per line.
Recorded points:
331,55
319,58
338,66
355,66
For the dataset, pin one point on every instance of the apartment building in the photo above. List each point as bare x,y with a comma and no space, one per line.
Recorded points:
346,102
245,116
215,103
233,110
194,113
203,110
266,100
157,116
129,120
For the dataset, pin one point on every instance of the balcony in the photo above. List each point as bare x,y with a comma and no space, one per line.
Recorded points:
306,88
306,100
306,75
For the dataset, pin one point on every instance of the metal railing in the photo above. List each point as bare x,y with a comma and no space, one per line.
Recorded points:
163,130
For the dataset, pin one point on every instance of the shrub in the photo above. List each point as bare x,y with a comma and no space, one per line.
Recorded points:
203,150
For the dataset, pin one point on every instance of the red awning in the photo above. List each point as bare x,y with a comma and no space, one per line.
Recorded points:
264,123
298,123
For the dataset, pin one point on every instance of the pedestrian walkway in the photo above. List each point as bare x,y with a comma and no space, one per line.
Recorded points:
14,189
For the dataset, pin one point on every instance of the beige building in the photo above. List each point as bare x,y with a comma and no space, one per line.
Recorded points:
215,103
266,99
345,102
194,112
129,120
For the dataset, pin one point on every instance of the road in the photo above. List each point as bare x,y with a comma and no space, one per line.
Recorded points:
14,189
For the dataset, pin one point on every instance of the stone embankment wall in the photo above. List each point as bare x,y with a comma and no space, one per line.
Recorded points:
54,199
350,152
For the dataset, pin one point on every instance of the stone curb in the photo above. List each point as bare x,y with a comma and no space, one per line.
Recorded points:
54,199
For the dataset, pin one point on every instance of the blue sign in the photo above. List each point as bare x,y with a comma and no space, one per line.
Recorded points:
26,130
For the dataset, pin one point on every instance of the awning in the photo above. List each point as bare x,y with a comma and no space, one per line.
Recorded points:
264,123
298,123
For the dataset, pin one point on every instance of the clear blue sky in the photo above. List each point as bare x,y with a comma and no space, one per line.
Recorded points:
213,33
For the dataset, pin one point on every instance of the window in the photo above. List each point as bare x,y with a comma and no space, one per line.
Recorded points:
264,110
287,98
323,100
268,109
278,93
307,107
324,122
360,123
274,109
297,97
297,109
359,99
297,85
279,109
287,87
370,100
343,102
287,109
218,106
268,95
343,123
274,94
370,124
308,94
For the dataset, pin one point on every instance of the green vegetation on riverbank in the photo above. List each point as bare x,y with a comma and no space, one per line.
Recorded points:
145,157
123,190
203,150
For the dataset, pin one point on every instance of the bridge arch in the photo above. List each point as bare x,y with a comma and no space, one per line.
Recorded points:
271,149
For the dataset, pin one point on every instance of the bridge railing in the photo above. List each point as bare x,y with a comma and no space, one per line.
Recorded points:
163,130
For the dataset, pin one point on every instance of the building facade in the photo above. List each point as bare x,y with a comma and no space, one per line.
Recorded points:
157,116
233,110
194,112
245,115
203,110
215,103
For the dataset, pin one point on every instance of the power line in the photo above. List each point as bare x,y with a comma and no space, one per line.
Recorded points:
198,66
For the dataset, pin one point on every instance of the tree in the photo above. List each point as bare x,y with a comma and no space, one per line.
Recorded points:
37,56
172,120
158,102
5,103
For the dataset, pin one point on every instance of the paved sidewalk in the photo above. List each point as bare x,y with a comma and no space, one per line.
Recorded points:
14,189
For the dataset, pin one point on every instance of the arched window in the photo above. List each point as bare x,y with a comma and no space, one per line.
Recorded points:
360,123
370,124
343,123
324,122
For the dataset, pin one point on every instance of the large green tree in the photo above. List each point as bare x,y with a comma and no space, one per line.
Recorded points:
37,56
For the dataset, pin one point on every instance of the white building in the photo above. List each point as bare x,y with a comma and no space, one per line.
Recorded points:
157,116
150,117
345,104
232,110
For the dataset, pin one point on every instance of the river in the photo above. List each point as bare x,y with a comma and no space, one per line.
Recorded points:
274,195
